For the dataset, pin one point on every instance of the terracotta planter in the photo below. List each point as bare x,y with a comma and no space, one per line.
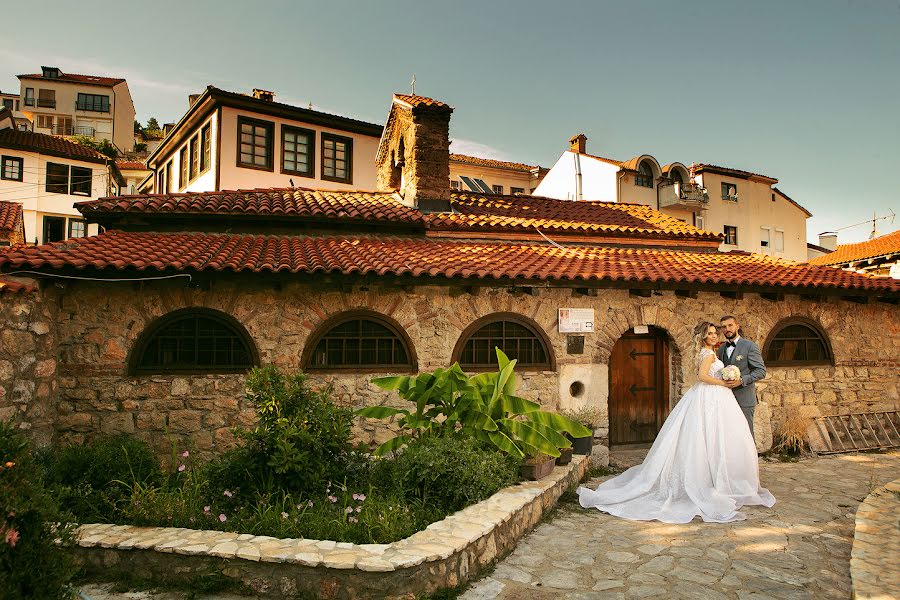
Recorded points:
535,469
583,445
565,456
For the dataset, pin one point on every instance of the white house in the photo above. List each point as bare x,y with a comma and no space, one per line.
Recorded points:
751,214
47,175
230,141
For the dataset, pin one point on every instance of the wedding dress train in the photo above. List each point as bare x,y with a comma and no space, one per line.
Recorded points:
703,463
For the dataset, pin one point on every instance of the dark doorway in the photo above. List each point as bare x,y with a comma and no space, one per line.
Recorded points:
639,387
54,229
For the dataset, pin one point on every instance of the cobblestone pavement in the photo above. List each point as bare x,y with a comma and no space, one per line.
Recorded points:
798,549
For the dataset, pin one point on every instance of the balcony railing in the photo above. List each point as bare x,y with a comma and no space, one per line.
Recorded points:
70,130
682,195
45,103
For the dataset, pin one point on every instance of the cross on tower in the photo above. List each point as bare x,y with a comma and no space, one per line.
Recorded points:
412,84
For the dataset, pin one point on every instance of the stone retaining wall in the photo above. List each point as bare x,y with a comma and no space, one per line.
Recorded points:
875,558
446,554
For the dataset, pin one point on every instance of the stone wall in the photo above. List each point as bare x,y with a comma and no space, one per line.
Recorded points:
28,352
98,325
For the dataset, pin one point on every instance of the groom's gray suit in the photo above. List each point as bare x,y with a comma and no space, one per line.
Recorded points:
747,357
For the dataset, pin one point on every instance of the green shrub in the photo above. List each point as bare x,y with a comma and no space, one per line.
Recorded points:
299,445
89,480
449,472
32,564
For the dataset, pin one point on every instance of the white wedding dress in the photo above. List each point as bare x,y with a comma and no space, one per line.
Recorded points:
703,463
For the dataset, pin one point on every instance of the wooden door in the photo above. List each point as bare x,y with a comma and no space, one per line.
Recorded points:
639,387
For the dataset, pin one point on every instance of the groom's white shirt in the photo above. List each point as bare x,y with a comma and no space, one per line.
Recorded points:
730,349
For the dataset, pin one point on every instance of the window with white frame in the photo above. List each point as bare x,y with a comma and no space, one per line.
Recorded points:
779,240
731,235
498,189
699,222
765,237
11,168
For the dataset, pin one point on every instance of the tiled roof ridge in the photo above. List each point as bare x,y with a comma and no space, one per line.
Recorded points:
611,161
491,162
418,256
32,141
882,245
419,101
701,166
76,76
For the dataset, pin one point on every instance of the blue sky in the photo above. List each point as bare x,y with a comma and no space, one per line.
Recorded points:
804,91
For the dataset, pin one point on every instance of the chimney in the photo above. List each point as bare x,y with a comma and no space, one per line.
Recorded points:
828,239
263,95
192,99
413,157
578,144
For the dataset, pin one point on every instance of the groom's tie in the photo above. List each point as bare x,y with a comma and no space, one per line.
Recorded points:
729,350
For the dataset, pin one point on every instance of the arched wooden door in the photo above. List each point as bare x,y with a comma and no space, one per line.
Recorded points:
639,387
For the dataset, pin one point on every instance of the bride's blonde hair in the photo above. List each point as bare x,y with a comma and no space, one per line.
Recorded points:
700,333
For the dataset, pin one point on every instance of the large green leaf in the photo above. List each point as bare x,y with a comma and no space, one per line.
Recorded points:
518,406
529,435
393,382
380,412
555,437
504,443
560,423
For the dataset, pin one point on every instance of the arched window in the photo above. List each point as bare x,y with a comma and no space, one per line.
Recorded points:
675,174
361,341
644,178
193,340
797,341
518,337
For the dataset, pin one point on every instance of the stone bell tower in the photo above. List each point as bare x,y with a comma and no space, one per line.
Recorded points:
414,154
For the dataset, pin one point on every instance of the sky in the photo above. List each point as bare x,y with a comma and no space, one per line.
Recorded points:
806,91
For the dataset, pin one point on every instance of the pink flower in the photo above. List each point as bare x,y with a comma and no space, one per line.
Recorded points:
353,519
206,509
359,509
185,454
333,499
284,515
12,537
348,510
362,498
181,468
222,518
310,504
227,494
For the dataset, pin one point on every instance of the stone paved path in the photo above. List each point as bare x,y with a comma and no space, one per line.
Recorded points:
798,549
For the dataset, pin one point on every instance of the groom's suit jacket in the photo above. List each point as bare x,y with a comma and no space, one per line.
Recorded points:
746,357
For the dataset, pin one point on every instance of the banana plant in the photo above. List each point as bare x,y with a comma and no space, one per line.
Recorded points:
484,406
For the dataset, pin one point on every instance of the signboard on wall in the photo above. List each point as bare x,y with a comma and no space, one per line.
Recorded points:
576,320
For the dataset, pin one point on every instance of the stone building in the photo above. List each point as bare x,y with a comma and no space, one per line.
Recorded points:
597,301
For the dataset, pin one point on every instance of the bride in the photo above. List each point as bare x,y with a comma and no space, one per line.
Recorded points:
703,461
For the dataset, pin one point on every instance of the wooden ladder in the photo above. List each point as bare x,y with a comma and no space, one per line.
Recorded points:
859,431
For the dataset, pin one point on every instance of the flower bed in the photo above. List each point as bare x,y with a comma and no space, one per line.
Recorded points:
445,554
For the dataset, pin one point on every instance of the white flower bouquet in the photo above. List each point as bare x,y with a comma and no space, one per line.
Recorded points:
731,373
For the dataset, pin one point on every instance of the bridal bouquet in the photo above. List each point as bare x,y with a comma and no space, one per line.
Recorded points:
731,373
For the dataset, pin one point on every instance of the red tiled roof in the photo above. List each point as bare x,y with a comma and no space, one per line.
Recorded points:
131,165
420,101
490,162
528,213
294,202
611,161
75,78
8,286
424,257
47,144
10,216
881,246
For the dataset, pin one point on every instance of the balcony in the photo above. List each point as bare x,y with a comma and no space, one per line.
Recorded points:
45,103
70,130
682,195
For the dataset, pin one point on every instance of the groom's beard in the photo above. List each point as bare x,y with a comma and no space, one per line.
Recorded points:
730,336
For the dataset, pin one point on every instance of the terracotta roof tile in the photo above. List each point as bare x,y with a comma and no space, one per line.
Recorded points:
47,144
10,216
131,165
75,78
881,246
611,161
424,257
524,213
8,286
699,168
294,202
420,101
490,162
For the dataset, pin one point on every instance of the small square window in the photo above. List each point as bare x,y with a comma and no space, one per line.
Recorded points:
729,192
255,143
11,168
454,184
731,235
81,181
298,151
77,228
516,190
57,178
498,189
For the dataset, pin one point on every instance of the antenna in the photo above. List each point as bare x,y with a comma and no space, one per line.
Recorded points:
873,220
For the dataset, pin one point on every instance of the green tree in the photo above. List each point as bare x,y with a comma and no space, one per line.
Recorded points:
104,147
152,124
137,126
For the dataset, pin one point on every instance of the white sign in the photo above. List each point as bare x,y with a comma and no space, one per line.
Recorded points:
641,329
576,320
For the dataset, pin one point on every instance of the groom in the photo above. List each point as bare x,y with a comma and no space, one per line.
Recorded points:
745,355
